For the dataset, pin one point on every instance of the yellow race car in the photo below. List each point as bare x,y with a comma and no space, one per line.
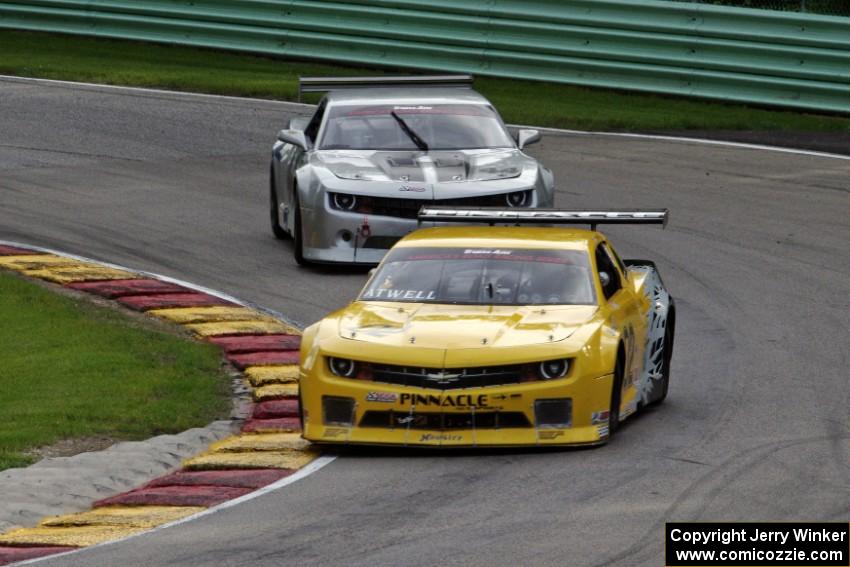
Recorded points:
469,336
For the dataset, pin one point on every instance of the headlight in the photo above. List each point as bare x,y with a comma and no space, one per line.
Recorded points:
343,367
489,167
518,198
493,173
354,168
551,369
344,201
357,174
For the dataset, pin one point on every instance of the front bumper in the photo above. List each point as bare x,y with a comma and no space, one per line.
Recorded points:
339,236
497,416
336,236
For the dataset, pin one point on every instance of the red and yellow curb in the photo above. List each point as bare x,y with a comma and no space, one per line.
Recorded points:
268,449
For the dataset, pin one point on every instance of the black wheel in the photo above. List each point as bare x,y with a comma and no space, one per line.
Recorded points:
297,234
616,396
667,355
277,230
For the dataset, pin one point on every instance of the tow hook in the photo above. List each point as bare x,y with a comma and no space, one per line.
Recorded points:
365,230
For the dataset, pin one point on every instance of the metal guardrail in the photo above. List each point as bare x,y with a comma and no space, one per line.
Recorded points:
826,7
732,54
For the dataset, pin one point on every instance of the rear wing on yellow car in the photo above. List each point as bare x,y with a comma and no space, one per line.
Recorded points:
504,215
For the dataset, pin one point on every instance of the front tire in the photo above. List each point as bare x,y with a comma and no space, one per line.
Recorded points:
616,396
274,208
297,232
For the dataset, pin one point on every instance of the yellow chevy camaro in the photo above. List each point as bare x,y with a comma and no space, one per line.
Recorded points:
493,336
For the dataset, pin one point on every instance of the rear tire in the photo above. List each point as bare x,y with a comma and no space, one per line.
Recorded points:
616,396
274,209
667,355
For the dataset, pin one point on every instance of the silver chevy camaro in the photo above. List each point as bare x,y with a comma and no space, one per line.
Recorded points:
347,183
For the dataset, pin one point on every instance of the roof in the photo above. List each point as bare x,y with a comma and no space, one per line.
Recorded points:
405,95
504,237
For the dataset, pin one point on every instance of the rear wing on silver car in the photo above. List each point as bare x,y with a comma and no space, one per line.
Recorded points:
324,84
501,215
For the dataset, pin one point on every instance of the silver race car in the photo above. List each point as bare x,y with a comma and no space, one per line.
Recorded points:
347,183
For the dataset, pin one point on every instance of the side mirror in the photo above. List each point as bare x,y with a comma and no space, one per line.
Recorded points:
372,272
604,278
527,136
294,137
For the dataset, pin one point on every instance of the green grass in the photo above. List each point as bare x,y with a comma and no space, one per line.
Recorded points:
182,68
72,369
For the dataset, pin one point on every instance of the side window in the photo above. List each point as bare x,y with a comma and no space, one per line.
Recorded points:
616,258
312,129
606,265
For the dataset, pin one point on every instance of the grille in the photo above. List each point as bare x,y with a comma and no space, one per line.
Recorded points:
409,208
449,378
392,207
435,421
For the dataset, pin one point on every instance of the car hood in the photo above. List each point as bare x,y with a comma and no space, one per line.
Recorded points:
433,167
460,326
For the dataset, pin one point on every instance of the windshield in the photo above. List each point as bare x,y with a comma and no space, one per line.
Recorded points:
483,276
423,127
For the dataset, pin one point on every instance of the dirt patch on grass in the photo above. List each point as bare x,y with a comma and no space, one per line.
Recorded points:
71,447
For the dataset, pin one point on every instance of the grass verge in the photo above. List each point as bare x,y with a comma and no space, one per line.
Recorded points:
73,369
120,62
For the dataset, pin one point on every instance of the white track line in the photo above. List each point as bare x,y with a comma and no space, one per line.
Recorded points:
303,472
125,268
302,107
154,275
662,137
145,90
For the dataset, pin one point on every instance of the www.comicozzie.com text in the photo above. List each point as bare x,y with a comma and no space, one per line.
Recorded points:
727,536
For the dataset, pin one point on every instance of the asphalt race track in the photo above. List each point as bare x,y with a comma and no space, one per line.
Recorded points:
756,425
